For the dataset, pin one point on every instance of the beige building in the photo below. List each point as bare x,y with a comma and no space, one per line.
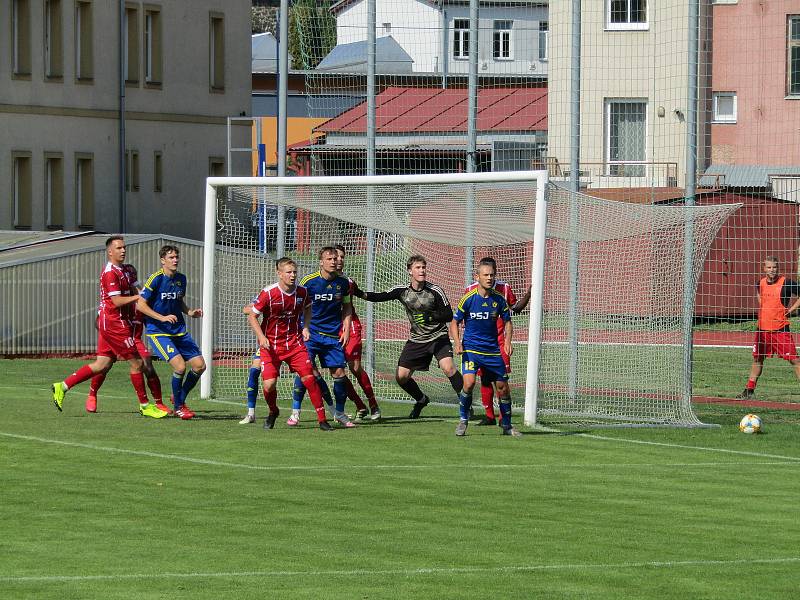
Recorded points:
186,68
634,92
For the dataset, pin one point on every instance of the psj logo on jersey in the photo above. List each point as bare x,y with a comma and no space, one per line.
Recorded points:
483,315
327,297
170,295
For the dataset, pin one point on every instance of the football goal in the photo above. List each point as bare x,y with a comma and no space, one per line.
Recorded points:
601,342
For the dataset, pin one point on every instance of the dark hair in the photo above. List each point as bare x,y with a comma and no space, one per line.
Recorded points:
167,249
113,239
284,261
340,248
325,249
416,258
488,260
771,258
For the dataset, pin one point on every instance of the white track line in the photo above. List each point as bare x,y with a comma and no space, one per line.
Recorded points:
406,572
684,447
215,463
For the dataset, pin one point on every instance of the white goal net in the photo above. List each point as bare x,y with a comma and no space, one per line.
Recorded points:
610,345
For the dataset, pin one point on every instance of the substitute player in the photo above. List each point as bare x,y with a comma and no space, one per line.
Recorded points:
327,332
164,295
114,331
153,382
773,337
429,312
516,307
480,310
280,338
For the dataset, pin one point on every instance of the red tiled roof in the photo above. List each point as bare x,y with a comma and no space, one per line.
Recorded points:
429,110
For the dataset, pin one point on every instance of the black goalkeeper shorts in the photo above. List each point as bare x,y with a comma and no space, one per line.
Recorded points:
417,355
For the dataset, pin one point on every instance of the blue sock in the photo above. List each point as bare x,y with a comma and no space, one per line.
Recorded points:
464,404
298,391
340,393
189,382
326,391
177,383
252,386
505,413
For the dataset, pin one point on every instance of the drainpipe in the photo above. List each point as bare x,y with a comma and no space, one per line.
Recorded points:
123,209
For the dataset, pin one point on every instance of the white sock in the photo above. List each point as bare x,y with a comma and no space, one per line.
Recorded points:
251,412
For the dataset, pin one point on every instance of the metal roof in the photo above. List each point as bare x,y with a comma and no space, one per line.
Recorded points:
410,109
390,57
264,53
56,244
745,176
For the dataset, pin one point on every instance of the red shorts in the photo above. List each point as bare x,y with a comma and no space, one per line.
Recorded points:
116,343
774,343
506,361
354,346
141,347
297,359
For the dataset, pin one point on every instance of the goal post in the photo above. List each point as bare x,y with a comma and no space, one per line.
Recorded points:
629,350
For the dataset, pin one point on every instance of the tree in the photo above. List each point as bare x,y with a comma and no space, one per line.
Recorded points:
312,32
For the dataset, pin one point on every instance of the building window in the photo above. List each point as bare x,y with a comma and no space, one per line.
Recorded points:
53,40
793,59
131,170
387,28
216,59
21,189
626,142
544,34
158,172
84,47
725,107
501,40
54,189
21,37
216,166
461,38
130,44
84,191
152,45
626,14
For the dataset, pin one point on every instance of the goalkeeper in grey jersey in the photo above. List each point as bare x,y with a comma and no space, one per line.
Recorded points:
429,312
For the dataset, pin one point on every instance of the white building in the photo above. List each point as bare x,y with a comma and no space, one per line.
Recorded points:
512,38
185,69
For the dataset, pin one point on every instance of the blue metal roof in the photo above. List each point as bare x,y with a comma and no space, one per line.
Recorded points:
390,57
264,53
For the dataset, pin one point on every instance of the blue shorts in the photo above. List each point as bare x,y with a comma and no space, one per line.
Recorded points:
170,346
327,348
492,365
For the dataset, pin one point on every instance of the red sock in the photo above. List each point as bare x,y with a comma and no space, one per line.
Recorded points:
79,376
751,384
96,382
137,379
272,401
487,399
366,385
154,383
316,398
353,395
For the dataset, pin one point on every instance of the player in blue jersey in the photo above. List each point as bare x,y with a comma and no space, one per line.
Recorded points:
327,333
479,310
164,294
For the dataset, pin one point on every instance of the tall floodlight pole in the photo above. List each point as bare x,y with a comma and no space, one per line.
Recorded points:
283,81
575,188
472,138
689,198
370,266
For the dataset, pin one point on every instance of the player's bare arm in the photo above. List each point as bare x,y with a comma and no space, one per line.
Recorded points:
194,313
248,309
347,319
144,308
123,300
306,323
455,335
522,302
507,335
252,320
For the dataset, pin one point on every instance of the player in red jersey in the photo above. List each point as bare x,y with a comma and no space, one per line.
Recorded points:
153,382
280,338
352,353
516,306
773,337
115,331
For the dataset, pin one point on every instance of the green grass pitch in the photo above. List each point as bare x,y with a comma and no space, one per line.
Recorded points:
113,505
